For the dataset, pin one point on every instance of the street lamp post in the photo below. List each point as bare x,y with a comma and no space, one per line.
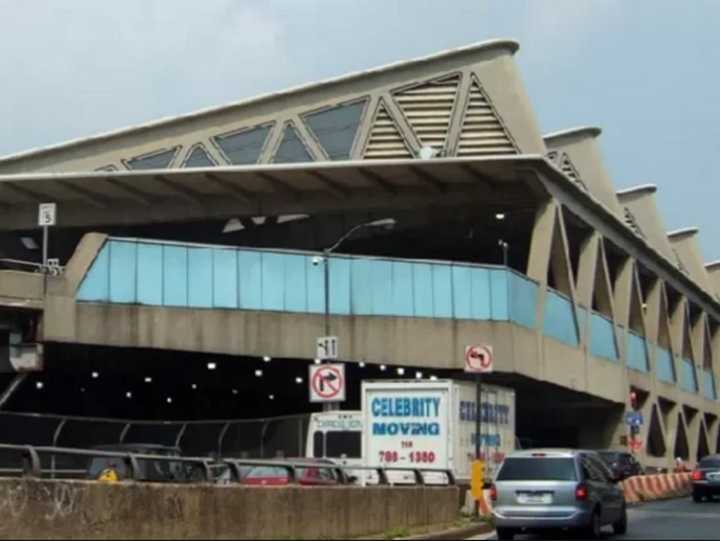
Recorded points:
386,223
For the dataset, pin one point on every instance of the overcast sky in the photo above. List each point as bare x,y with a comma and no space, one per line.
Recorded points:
646,71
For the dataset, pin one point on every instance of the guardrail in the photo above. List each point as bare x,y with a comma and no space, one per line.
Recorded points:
32,465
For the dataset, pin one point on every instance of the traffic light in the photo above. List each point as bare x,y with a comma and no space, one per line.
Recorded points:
633,400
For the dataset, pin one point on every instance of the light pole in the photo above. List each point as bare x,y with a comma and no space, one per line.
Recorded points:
505,247
385,223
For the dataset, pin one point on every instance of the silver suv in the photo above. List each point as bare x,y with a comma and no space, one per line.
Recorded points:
557,489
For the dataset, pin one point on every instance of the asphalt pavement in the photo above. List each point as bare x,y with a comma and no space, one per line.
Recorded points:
672,519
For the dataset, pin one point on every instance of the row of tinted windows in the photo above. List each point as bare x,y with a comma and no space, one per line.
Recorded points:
335,129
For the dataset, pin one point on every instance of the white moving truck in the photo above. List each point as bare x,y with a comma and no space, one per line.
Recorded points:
431,424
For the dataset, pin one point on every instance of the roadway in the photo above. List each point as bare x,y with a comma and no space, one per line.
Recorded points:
673,519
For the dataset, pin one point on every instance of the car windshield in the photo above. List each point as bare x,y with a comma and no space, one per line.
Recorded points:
538,469
713,462
610,457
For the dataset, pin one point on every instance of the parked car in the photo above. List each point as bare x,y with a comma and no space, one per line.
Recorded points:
102,467
557,489
706,479
278,476
623,465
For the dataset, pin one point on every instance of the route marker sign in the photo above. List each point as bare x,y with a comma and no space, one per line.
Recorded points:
327,348
634,418
479,359
327,383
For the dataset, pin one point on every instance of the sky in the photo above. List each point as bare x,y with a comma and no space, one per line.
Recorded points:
645,71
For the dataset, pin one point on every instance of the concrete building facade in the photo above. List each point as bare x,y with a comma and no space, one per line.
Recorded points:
199,234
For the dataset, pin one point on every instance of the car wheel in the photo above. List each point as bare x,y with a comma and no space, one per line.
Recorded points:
698,496
594,529
621,526
505,533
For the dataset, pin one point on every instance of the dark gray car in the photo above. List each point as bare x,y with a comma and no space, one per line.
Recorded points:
557,489
706,479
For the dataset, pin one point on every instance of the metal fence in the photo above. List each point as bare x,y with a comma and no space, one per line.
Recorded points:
279,437
30,461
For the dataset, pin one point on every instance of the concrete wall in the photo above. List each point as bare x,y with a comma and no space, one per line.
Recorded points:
86,510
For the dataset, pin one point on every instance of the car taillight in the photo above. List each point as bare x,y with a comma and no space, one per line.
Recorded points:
493,493
581,493
698,475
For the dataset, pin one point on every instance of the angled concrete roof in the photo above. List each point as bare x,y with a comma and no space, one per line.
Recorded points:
642,206
484,76
581,146
686,245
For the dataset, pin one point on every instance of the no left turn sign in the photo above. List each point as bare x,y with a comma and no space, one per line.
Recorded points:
327,383
479,359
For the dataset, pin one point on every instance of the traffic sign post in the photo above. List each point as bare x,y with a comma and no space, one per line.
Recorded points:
479,360
47,218
327,383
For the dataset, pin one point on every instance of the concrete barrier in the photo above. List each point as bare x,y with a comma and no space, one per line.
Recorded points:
657,487
43,509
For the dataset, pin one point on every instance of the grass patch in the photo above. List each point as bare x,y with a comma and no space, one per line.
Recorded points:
397,533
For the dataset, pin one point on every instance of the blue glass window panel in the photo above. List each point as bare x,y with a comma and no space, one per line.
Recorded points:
96,284
244,147
150,274
123,269
382,287
159,160
499,294
664,367
481,299
559,323
295,283
423,289
273,281
709,389
291,149
523,299
402,289
602,338
175,276
688,381
340,279
200,277
336,128
225,278
442,291
198,158
462,291
362,287
637,357
315,285
250,279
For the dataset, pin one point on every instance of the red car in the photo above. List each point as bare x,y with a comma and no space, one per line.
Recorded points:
275,476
